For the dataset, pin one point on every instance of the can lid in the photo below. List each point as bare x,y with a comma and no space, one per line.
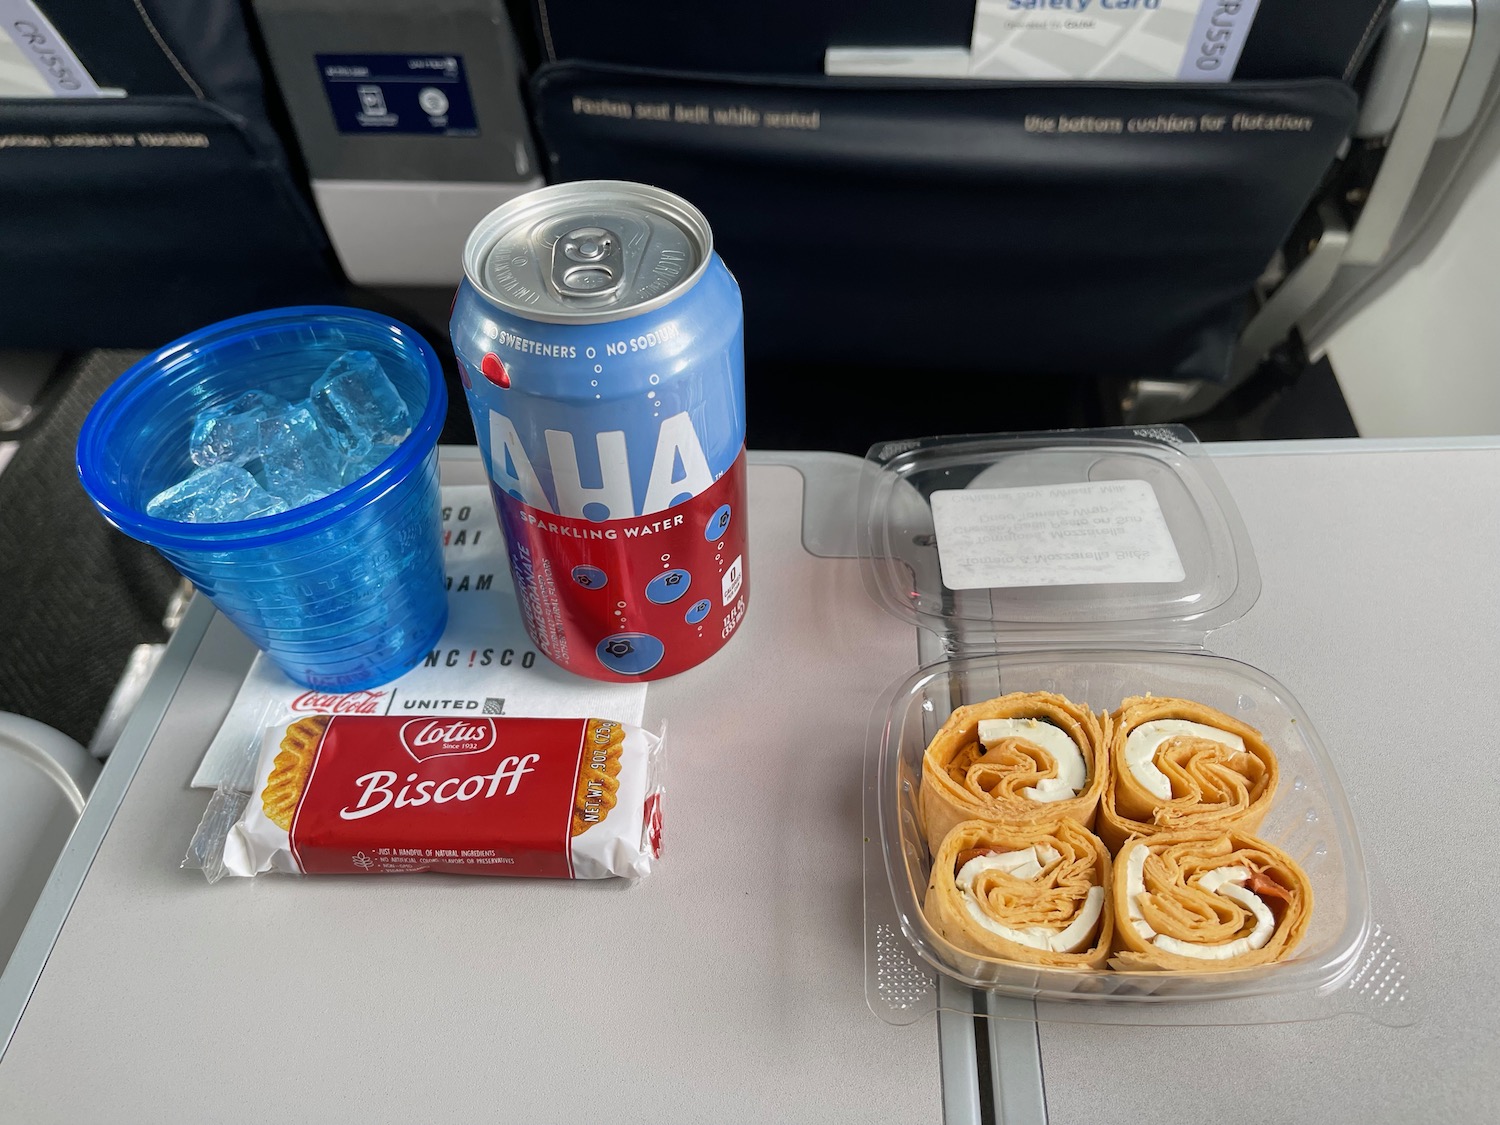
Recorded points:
1055,537
590,251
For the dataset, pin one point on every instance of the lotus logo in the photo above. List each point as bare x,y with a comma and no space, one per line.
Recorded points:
436,738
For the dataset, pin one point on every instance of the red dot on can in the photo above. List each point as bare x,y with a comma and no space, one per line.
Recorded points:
494,370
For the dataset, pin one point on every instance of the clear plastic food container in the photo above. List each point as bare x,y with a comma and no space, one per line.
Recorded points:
1093,564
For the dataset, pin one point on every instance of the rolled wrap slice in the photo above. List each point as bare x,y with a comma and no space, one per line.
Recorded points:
1206,902
1037,894
1176,765
1023,758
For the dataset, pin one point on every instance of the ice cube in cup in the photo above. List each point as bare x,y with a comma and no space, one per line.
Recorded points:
358,405
230,432
220,493
356,467
346,597
298,460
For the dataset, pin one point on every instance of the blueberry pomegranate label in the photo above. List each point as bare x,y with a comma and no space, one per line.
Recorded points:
626,599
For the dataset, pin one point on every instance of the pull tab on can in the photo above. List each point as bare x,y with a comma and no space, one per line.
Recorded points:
588,262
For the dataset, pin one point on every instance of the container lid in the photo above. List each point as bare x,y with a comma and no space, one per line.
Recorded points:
586,252
1063,535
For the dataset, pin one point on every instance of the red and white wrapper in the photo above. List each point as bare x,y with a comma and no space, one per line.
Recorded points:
470,796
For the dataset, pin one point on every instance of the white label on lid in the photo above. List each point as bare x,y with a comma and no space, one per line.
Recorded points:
1053,535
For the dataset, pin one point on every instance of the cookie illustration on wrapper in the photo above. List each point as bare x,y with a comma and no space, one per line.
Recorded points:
290,769
598,774
360,794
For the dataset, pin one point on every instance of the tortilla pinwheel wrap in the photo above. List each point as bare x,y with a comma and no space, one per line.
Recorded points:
1175,765
1037,894
1023,758
1206,902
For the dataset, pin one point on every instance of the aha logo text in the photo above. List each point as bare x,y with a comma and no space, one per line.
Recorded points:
677,444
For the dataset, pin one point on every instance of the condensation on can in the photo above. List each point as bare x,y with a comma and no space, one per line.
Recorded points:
600,341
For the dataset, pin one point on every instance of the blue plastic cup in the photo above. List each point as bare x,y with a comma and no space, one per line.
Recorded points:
344,593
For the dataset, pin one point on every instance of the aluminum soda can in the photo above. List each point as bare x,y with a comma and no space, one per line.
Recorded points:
601,345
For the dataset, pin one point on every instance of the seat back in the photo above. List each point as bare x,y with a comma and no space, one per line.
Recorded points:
410,119
171,201
994,230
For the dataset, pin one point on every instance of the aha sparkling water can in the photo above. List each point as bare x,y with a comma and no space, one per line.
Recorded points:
601,344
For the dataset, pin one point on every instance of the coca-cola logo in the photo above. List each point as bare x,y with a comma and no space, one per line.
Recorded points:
326,703
436,738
